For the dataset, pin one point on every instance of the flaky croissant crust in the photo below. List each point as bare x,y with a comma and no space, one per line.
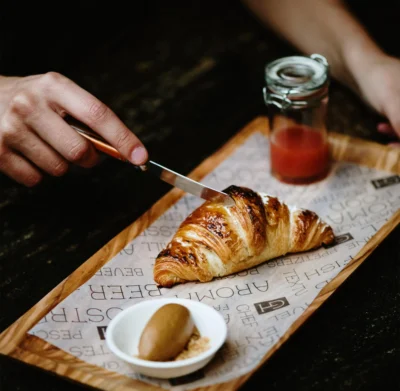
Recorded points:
215,241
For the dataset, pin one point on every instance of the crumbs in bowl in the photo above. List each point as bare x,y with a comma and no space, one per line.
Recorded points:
194,347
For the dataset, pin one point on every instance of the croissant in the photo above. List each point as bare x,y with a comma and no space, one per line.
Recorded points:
215,240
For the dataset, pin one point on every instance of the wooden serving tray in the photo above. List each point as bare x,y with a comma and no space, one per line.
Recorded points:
16,343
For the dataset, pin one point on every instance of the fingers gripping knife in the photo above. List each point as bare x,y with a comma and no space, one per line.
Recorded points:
182,182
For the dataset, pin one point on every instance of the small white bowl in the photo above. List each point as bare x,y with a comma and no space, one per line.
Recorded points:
124,331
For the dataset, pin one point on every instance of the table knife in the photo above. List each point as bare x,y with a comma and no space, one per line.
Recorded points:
173,178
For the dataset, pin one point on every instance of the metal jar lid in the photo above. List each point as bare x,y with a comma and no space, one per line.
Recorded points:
296,78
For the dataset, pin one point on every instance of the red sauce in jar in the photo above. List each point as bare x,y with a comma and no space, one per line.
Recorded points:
299,154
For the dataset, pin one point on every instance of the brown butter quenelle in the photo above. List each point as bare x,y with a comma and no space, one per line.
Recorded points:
166,334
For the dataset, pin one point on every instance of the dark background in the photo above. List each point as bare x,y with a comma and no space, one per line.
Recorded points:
185,77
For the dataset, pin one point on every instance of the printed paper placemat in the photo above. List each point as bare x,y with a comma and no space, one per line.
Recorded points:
258,305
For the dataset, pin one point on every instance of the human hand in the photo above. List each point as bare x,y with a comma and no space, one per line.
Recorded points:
34,138
379,83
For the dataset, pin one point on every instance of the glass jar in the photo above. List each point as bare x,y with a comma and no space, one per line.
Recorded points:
296,96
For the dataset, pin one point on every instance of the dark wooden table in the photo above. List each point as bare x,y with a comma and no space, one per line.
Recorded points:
184,78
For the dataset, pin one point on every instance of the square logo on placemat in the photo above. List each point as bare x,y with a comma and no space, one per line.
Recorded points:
387,181
102,331
264,307
339,240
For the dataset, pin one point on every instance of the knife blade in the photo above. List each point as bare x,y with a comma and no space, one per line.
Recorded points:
167,175
188,185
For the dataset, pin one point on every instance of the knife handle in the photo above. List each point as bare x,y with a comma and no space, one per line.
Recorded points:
98,142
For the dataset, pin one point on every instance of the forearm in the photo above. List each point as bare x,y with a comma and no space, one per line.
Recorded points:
325,27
